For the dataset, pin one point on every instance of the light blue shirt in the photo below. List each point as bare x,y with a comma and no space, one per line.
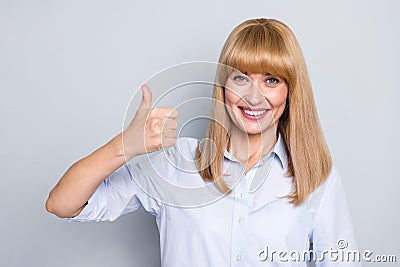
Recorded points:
253,226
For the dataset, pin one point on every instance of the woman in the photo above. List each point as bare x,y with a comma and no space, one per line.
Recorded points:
266,131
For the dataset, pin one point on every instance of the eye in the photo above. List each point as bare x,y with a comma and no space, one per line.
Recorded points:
240,78
272,80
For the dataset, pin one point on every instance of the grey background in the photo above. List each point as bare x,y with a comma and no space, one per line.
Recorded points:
69,68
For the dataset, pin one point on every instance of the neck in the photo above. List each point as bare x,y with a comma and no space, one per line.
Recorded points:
250,148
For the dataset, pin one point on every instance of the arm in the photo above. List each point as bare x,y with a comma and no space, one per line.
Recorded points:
150,130
333,235
81,180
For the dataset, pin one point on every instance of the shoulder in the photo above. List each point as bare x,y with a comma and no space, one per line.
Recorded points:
169,159
187,143
165,174
184,147
331,188
333,181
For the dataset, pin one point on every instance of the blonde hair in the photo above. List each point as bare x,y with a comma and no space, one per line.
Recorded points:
261,46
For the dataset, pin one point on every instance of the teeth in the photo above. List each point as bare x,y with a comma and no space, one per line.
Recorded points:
254,113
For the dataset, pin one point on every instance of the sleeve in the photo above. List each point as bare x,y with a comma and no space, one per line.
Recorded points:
117,195
333,238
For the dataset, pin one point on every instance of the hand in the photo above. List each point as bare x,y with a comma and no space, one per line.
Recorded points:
151,129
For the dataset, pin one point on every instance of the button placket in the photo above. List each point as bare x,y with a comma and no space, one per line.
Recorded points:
239,219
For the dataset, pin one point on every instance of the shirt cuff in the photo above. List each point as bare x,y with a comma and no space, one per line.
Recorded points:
95,210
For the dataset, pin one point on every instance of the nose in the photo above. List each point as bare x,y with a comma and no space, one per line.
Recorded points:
253,95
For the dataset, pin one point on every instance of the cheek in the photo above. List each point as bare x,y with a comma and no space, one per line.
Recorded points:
278,98
231,98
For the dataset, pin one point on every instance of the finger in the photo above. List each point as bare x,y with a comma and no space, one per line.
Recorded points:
167,142
169,133
156,126
146,97
173,114
170,124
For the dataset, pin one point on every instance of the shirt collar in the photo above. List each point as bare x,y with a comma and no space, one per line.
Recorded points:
278,150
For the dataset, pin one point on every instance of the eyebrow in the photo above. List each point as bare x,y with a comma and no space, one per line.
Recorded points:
265,74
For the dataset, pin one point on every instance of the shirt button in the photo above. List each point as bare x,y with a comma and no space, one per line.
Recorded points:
240,220
238,257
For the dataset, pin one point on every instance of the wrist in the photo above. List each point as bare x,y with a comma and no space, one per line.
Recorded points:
117,147
123,148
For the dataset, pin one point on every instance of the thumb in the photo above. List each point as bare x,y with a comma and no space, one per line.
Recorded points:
146,97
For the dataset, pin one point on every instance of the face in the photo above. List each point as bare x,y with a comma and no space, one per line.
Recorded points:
255,102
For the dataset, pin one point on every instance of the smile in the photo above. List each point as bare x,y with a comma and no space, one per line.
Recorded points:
253,114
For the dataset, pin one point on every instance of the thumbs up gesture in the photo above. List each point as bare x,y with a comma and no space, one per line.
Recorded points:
151,128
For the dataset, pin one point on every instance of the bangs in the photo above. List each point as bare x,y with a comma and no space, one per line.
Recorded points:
259,50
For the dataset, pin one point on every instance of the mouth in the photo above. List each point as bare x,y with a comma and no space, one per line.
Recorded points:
253,113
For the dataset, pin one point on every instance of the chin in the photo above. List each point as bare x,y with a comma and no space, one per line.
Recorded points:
257,130
252,131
